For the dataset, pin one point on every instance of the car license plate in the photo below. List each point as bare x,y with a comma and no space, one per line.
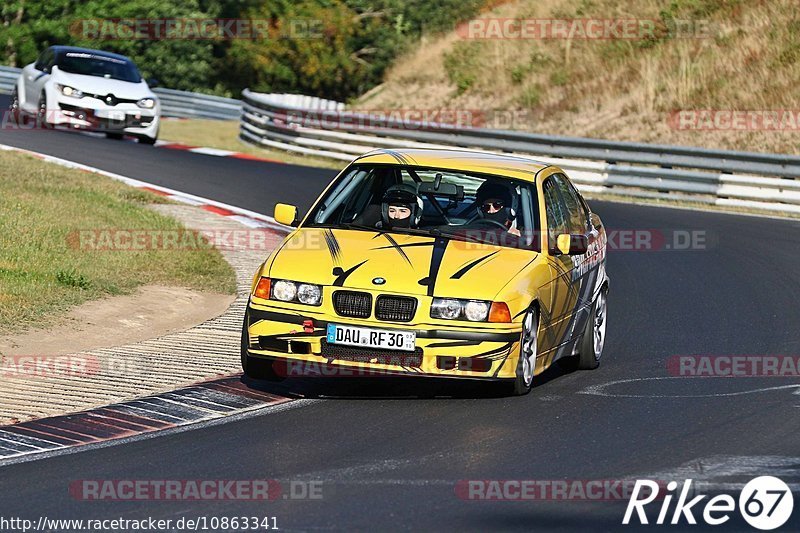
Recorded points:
372,338
111,114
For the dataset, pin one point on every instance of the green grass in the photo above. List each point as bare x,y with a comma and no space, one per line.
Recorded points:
462,64
44,272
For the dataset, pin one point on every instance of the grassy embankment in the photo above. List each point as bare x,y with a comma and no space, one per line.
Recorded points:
731,55
44,272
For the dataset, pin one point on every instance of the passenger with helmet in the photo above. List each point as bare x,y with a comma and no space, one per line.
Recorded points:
401,207
497,202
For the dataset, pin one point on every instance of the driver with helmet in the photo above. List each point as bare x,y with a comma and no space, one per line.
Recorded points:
401,207
496,203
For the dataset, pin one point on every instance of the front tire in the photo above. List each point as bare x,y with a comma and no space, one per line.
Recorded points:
528,350
256,368
13,106
41,111
594,337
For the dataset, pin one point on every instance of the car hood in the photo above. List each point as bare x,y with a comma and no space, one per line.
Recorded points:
398,263
104,86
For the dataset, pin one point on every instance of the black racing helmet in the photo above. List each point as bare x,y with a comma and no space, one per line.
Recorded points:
404,196
504,193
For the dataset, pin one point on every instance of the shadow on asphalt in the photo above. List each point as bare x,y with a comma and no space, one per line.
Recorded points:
394,387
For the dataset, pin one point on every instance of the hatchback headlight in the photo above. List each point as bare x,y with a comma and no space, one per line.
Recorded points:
146,103
66,90
290,291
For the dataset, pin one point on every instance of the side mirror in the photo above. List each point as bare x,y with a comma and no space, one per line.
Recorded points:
286,214
152,82
574,244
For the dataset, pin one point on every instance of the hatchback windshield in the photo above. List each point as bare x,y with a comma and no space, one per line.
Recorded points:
99,65
432,202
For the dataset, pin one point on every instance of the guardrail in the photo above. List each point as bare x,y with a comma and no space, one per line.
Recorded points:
8,76
179,104
752,180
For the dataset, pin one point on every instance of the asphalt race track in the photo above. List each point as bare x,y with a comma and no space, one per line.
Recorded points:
390,454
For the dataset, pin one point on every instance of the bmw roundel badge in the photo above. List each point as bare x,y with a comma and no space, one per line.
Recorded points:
378,281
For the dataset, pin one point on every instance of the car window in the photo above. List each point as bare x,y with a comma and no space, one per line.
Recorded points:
89,64
576,213
557,220
452,209
46,60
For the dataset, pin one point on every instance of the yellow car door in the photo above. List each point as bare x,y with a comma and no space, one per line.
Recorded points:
561,291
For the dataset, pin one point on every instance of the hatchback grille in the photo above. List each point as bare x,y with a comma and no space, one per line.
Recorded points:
353,304
396,308
366,355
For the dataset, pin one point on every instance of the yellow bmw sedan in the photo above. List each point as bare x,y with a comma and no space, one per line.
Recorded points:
441,263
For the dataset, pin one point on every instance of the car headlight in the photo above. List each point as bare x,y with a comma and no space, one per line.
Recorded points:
446,308
471,310
146,103
476,311
66,90
284,291
288,291
309,294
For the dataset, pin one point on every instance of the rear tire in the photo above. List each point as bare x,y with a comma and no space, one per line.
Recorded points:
528,350
147,140
256,368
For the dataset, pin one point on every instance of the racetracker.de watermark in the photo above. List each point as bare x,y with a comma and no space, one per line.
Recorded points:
734,366
585,29
135,240
62,366
194,490
174,29
599,490
787,120
412,119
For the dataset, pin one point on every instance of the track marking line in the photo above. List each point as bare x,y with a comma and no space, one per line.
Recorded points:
600,389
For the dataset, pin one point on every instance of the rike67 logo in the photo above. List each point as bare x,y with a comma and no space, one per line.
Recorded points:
765,503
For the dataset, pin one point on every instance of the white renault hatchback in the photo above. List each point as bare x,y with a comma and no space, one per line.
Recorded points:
88,89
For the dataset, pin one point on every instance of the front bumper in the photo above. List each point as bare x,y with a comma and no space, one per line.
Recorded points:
487,351
94,114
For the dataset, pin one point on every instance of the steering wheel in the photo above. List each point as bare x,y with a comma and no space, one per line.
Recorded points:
488,222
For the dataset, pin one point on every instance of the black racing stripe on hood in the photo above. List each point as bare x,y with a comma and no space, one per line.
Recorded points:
437,255
333,246
410,245
463,270
397,247
342,275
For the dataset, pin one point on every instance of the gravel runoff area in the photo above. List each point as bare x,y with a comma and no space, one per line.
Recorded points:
206,351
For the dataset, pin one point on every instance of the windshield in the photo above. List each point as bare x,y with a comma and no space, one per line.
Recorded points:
432,202
99,65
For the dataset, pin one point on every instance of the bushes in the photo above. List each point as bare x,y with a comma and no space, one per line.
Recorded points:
332,48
